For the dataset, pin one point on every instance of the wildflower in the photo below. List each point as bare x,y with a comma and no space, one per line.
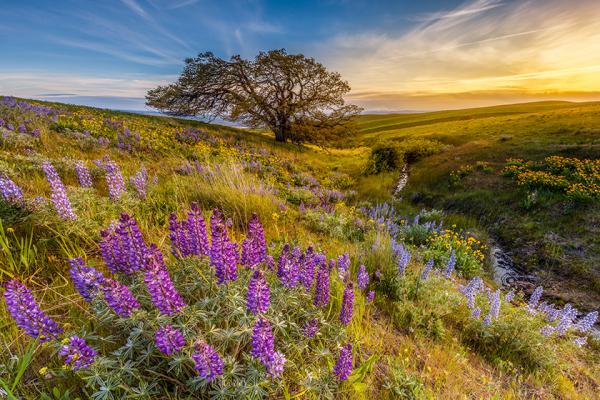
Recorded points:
508,297
140,182
347,305
114,180
59,193
119,298
586,323
470,291
343,368
535,299
580,341
427,269
370,296
494,308
322,286
307,267
568,314
208,363
311,328
270,262
10,191
169,340
403,258
258,293
123,248
87,280
288,266
263,347
275,364
77,352
254,248
378,275
223,253
363,278
196,232
83,175
476,313
23,308
450,265
343,264
158,282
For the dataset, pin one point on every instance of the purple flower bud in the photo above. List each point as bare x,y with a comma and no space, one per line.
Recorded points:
59,193
311,328
83,174
87,280
208,362
258,293
343,368
169,340
119,298
476,313
363,278
23,308
158,282
322,286
580,341
370,296
77,352
347,305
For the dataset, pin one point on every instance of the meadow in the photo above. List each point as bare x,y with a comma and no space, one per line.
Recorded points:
153,257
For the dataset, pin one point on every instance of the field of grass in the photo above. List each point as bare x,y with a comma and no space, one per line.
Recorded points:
421,337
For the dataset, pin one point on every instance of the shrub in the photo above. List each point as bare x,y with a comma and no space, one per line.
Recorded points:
384,157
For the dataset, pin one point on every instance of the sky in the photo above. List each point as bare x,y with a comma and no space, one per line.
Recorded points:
397,55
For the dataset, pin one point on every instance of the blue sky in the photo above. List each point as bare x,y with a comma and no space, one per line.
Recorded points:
396,54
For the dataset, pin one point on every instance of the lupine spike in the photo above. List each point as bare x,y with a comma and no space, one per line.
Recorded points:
114,180
311,328
10,191
427,269
258,299
77,353
223,253
169,340
343,367
208,363
59,193
83,175
362,278
123,247
87,280
535,299
347,305
23,308
322,286
159,284
254,248
450,265
119,298
196,232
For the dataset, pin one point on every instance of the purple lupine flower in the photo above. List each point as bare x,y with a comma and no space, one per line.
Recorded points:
450,265
288,268
403,258
343,368
311,328
178,236
343,264
550,312
254,248
567,316
140,182
208,363
223,253
258,299
196,232
362,278
378,275
87,280
535,299
347,304
119,298
263,342
270,262
10,191
114,180
307,267
159,284
23,308
83,175
470,291
77,352
370,296
123,247
494,310
508,297
169,340
586,323
547,330
427,269
59,193
476,313
580,341
322,286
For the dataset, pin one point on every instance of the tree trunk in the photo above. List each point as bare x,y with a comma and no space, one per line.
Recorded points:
283,131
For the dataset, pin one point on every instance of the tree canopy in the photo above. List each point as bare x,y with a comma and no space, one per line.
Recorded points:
294,96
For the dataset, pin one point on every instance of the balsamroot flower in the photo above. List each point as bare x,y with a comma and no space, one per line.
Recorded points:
10,191
311,328
83,175
322,286
254,248
343,368
158,282
535,299
23,308
450,265
119,298
258,299
223,253
362,278
59,193
77,353
123,247
169,340
87,280
347,304
208,362
427,269
114,180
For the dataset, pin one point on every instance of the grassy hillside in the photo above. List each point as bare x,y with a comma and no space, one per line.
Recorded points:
545,231
423,325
